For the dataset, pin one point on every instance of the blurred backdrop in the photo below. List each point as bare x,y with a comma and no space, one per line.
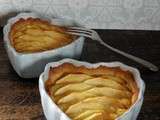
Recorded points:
101,14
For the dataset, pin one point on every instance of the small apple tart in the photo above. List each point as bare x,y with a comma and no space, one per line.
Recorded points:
102,93
35,35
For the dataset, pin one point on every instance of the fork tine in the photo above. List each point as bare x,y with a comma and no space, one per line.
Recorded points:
80,28
79,34
80,31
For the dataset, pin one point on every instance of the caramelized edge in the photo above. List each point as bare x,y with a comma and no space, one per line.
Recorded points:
67,68
32,20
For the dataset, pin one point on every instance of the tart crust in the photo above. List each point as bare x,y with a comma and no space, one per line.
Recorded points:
35,35
101,93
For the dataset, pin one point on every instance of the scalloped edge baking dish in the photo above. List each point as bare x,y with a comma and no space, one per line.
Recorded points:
32,64
53,112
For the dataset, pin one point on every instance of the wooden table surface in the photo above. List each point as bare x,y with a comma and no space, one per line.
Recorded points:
20,99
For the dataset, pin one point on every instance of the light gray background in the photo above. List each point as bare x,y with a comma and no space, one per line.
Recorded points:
104,14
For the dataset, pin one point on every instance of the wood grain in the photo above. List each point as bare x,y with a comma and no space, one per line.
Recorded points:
20,99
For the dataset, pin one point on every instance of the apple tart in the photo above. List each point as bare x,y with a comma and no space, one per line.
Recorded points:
36,35
101,93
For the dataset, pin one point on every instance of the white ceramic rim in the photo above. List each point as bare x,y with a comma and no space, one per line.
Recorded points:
26,15
134,71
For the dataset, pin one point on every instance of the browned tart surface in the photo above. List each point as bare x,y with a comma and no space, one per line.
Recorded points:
36,35
101,93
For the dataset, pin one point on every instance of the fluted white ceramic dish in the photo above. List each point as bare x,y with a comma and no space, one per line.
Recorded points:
53,112
32,65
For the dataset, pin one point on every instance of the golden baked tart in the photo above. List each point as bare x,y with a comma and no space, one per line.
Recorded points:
100,93
36,35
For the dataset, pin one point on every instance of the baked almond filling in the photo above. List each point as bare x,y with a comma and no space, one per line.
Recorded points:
35,35
101,93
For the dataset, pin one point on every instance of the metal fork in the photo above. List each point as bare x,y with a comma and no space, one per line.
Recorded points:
80,31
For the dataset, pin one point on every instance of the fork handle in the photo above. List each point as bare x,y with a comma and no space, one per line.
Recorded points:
145,63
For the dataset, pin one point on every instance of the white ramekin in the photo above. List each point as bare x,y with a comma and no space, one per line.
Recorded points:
32,65
53,112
